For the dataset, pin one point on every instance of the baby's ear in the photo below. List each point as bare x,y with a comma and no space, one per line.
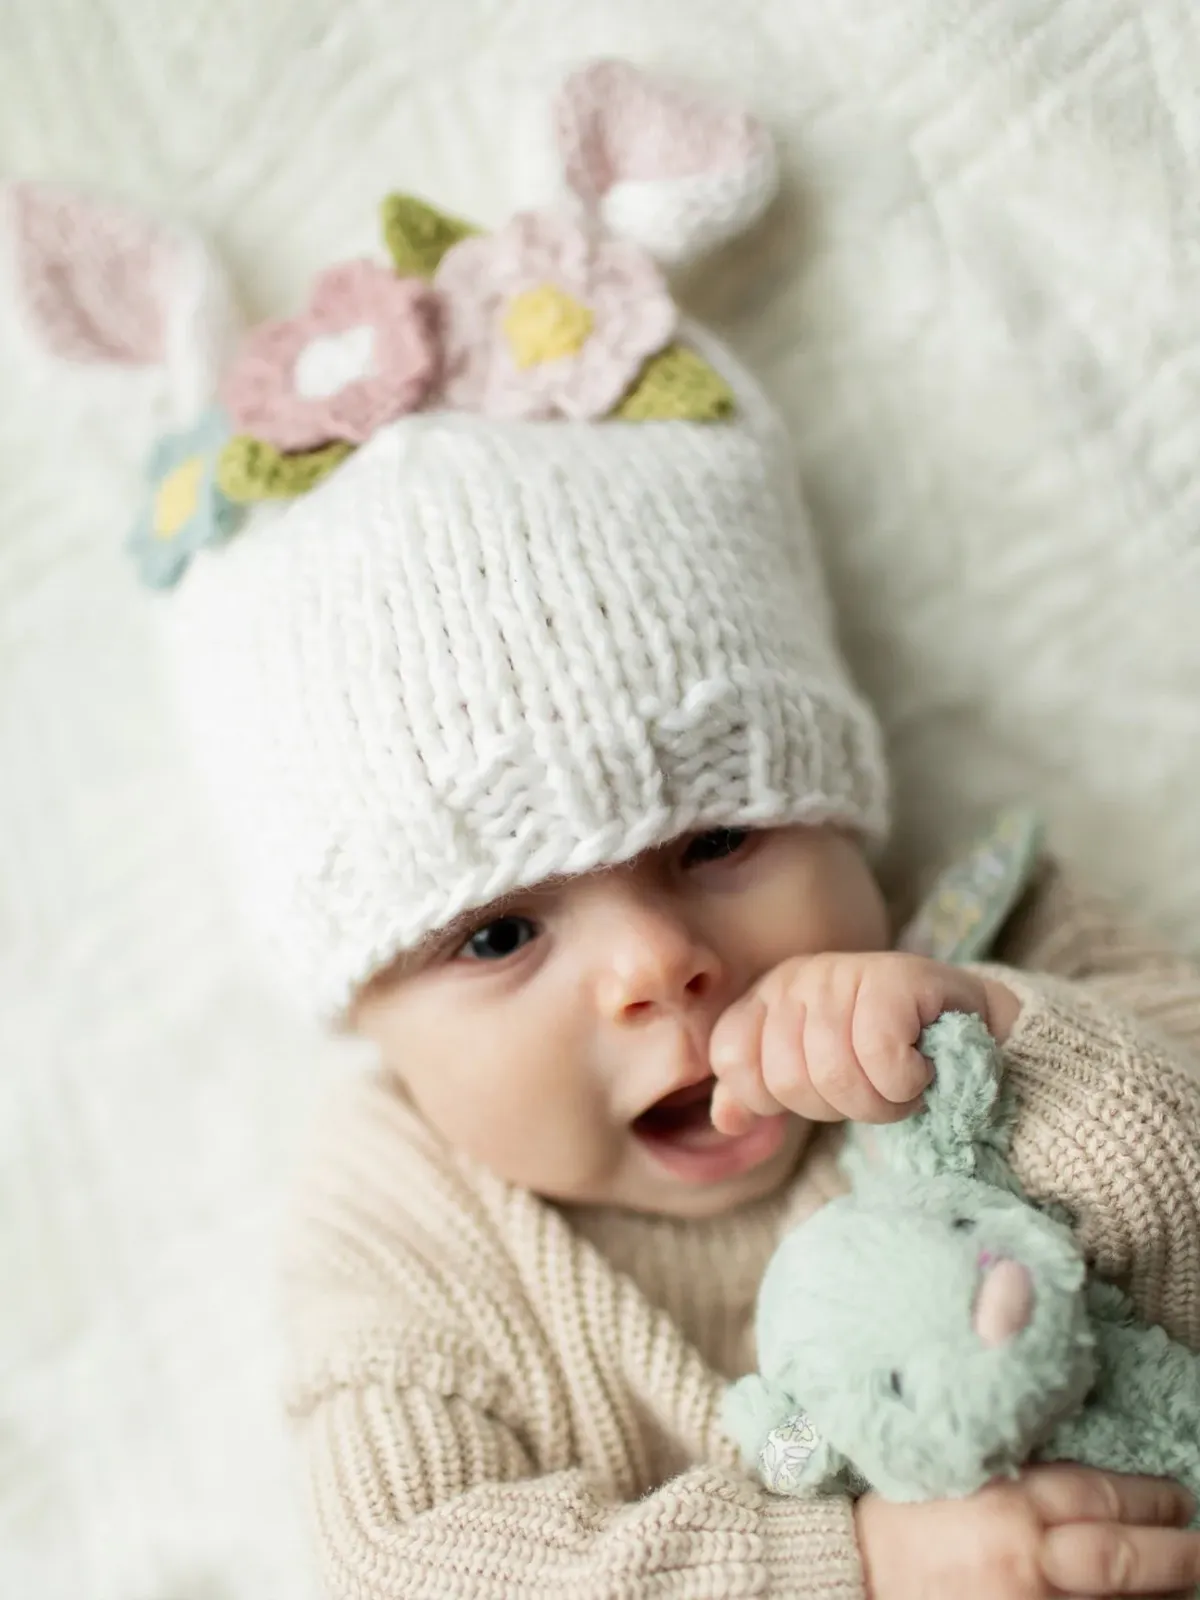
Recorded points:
96,282
660,165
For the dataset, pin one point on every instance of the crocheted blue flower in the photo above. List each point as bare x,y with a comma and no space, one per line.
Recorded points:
185,510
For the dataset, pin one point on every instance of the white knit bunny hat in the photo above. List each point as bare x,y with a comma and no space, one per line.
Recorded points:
491,649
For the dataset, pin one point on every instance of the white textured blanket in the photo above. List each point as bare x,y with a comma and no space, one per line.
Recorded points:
979,303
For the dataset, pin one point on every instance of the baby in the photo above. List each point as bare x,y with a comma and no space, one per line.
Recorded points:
543,772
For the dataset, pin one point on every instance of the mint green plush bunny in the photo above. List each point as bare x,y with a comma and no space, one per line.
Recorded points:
935,1330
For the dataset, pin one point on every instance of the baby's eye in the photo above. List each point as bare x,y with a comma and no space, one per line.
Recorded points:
714,845
499,939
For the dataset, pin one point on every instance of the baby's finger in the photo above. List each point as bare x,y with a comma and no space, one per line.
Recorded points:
897,1071
785,1066
1066,1492
884,1029
728,1115
735,1055
1178,1594
1113,1558
835,1074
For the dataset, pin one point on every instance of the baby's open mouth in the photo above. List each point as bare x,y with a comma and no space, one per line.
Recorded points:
677,1131
681,1117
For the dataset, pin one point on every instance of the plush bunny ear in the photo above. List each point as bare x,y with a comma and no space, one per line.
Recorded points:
966,1125
663,167
97,283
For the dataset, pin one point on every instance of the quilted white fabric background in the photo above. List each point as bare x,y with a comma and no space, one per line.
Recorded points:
979,303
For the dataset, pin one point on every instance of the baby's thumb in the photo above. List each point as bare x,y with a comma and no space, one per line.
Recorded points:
729,1115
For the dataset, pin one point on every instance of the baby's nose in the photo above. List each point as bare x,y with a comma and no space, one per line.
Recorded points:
652,963
1004,1304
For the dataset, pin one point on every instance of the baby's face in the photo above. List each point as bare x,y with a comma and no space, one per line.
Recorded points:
560,1038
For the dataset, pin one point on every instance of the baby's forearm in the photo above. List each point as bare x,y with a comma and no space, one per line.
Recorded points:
405,1506
1109,1126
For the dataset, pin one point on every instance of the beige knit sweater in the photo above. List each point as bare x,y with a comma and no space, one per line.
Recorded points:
502,1400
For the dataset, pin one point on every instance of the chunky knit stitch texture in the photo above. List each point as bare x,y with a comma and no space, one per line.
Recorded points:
500,1400
487,651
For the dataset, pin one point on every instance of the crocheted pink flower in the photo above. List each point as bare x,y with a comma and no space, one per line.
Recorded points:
364,352
548,318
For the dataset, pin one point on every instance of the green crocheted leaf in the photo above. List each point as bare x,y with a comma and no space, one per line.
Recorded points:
250,469
418,236
677,385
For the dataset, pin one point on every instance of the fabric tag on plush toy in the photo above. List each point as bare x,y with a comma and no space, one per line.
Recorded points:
970,902
783,1459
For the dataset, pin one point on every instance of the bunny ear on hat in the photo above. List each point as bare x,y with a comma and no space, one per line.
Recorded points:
95,282
659,164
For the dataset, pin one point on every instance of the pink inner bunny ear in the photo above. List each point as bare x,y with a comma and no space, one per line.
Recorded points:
581,126
91,276
615,123
667,168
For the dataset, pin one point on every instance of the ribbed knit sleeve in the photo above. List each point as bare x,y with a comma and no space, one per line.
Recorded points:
425,1497
1067,932
487,1409
495,1403
1109,1126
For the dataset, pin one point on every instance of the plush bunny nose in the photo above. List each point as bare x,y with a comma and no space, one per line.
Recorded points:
1004,1303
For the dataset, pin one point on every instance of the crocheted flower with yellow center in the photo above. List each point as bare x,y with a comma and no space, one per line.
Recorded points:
548,318
544,324
185,509
365,352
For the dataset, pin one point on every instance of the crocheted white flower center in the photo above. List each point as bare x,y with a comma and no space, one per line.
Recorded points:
335,360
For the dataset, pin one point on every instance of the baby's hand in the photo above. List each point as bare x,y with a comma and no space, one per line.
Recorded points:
1058,1530
834,1037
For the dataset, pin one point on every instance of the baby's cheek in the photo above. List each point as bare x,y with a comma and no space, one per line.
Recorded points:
506,1078
472,1103
527,1116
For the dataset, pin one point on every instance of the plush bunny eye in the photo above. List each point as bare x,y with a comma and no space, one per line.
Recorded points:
963,1224
896,1385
